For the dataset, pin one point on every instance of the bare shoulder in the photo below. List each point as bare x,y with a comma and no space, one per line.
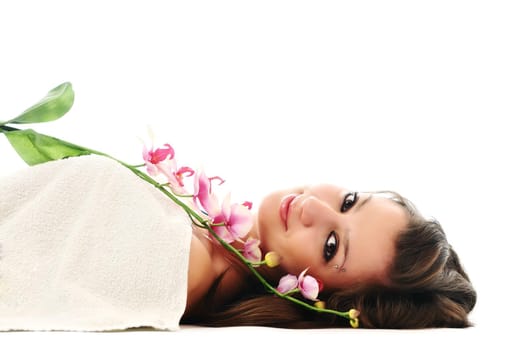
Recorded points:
201,275
208,266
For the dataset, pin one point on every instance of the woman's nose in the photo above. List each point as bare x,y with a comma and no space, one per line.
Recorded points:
315,212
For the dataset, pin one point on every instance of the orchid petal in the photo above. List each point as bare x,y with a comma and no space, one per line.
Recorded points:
165,168
201,184
308,286
161,154
240,220
302,274
251,250
203,195
287,283
226,206
151,169
224,233
217,178
184,171
212,205
146,156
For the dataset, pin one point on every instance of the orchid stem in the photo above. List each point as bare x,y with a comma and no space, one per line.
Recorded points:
199,221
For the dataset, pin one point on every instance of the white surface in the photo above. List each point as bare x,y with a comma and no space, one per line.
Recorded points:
265,338
419,97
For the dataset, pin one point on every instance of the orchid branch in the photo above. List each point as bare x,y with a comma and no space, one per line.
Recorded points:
206,224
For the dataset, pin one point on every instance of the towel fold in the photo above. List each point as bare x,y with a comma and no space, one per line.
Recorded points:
85,245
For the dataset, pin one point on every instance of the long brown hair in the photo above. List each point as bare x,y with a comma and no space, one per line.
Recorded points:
427,287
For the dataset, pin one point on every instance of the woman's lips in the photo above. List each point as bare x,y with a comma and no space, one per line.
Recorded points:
284,208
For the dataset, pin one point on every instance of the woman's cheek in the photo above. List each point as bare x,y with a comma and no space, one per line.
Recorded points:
298,255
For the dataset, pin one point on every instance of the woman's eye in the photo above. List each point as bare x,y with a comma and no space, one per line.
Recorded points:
331,246
349,200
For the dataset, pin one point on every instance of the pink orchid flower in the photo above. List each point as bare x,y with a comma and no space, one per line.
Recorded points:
176,179
287,283
236,218
161,161
251,250
156,160
184,171
203,195
308,285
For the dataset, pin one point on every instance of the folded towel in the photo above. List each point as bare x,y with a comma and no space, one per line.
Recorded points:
85,245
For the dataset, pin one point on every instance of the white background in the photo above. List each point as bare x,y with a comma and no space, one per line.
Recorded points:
425,98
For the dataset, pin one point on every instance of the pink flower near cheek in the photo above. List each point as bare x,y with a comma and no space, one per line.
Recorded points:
221,230
233,221
308,286
240,220
236,218
287,283
251,250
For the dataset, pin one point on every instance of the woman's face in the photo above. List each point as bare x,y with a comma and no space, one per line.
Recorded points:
343,237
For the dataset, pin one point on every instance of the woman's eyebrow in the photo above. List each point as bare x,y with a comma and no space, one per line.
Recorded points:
361,204
347,241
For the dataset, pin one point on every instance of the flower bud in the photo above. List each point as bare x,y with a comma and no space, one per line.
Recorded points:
354,322
272,259
354,318
320,304
353,313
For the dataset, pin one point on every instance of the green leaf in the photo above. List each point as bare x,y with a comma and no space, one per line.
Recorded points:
56,103
35,148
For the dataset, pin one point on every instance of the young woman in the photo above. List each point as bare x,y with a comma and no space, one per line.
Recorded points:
371,251
87,245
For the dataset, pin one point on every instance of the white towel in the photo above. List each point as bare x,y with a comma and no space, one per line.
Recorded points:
85,245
